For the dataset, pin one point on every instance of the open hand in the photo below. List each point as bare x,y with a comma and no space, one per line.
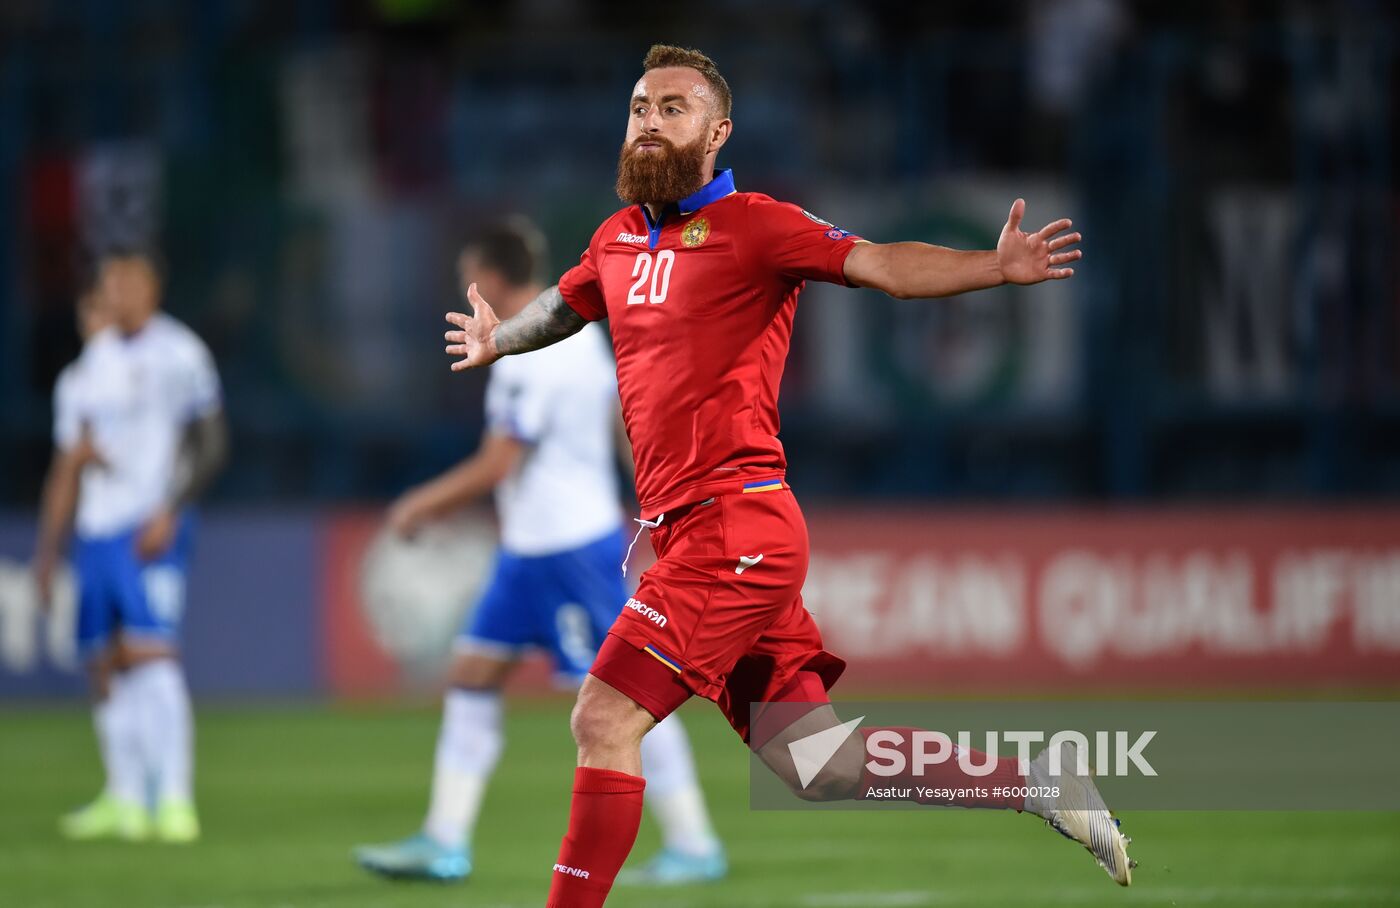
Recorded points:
1029,258
474,341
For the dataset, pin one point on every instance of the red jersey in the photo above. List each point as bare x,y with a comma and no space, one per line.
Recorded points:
701,306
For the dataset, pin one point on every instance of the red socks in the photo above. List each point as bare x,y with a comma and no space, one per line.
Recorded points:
603,821
958,788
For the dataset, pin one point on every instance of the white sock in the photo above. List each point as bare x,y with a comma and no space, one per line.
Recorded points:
104,722
167,726
130,765
119,742
673,790
469,744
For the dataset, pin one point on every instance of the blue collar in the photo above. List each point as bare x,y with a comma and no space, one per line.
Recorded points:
719,187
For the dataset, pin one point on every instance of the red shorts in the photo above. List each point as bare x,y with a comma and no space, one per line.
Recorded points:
720,614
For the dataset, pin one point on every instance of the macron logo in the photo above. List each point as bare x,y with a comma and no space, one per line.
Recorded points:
626,237
811,754
571,871
647,612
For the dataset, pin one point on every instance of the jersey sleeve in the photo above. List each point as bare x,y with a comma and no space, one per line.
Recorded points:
582,288
797,244
517,403
200,391
67,415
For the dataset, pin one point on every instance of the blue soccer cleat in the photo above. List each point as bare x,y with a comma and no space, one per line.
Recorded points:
416,858
676,868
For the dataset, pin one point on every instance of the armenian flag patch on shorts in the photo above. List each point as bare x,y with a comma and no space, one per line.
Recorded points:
665,660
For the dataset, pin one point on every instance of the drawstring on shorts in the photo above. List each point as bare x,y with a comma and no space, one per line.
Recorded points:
642,524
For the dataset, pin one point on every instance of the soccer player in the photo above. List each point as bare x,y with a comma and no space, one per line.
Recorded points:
550,457
700,283
139,434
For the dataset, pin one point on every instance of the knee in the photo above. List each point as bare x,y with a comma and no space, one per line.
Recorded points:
591,728
601,725
825,787
839,780
472,671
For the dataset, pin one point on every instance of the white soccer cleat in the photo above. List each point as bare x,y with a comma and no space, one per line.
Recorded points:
1079,813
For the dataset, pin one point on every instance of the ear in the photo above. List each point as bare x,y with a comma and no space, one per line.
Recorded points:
719,134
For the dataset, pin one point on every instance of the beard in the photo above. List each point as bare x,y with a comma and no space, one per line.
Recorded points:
659,177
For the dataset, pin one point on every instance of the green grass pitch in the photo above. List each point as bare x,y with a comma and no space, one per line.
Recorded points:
285,792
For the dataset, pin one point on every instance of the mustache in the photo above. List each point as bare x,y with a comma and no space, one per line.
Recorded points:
652,140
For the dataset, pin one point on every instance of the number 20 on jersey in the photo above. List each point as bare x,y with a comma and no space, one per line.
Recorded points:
658,276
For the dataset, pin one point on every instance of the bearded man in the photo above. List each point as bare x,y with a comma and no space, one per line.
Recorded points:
700,283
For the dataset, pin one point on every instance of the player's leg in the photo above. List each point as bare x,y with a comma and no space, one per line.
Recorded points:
787,673
797,733
845,776
471,735
695,613
691,851
606,808
151,598
469,744
591,591
160,699
798,714
119,811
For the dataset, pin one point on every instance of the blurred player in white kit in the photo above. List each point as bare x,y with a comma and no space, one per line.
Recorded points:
549,454
139,434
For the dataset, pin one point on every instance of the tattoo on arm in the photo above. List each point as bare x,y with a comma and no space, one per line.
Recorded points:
546,320
203,454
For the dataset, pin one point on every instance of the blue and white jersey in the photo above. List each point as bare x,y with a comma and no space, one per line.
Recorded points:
560,401
135,396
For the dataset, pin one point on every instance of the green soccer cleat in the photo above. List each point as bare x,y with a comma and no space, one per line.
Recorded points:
106,818
176,823
416,858
676,868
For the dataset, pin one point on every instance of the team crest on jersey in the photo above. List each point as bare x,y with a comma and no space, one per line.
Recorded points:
813,217
695,233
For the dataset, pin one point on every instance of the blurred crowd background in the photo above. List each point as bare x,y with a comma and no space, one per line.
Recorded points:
309,168
1191,450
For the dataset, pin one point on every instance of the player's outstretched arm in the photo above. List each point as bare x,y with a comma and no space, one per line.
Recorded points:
482,338
921,270
439,497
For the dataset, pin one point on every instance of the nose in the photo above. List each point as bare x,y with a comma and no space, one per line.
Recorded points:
652,121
